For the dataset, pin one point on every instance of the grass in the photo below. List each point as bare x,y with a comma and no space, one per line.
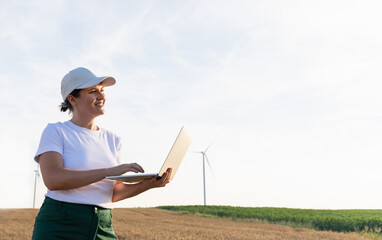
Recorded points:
366,222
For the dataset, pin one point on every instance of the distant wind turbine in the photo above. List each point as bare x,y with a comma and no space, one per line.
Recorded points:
36,176
204,171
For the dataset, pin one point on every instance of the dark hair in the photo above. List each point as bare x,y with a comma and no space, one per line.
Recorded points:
66,104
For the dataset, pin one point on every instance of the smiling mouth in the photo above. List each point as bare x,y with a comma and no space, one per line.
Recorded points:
99,104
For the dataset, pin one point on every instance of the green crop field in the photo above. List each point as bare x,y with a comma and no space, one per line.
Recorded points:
333,220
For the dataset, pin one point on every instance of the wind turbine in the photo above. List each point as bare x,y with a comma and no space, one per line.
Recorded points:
36,176
204,169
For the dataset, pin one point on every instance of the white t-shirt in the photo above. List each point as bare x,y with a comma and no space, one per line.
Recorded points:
82,149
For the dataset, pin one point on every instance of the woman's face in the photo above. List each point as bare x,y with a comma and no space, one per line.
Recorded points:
90,102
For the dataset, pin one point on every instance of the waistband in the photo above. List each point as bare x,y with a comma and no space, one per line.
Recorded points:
76,206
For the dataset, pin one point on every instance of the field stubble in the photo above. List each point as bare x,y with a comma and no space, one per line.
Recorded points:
150,223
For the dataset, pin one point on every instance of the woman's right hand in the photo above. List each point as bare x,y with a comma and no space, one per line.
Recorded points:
123,168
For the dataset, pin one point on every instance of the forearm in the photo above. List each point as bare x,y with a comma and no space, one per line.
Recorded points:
122,191
56,177
65,179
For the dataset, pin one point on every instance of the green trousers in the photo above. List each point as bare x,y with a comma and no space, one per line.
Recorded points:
70,221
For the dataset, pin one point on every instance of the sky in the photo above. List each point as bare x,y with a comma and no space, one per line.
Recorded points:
287,94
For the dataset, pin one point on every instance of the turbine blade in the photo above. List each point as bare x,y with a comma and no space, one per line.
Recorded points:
195,151
208,147
213,140
209,166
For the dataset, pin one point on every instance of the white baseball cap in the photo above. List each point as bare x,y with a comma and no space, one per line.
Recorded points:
80,78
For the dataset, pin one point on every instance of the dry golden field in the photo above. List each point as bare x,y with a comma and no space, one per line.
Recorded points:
151,223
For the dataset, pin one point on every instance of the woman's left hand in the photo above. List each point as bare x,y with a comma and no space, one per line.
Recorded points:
160,182
122,191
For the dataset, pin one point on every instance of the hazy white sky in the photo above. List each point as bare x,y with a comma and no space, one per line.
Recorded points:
288,91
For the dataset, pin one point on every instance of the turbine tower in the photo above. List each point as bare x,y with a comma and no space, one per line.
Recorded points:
36,176
205,158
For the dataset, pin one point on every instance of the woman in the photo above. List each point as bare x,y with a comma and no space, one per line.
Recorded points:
75,157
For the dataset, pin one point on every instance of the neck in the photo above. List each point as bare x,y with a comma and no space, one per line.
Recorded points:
85,123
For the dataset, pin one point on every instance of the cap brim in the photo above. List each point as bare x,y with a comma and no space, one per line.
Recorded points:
105,81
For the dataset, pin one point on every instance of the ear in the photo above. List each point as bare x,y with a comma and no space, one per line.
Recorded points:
71,99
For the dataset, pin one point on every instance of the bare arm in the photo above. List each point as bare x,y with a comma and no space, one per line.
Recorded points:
56,177
122,191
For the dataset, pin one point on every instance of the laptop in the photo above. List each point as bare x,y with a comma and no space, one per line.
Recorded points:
173,160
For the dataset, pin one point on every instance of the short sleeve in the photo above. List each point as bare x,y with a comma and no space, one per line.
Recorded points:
51,140
119,150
